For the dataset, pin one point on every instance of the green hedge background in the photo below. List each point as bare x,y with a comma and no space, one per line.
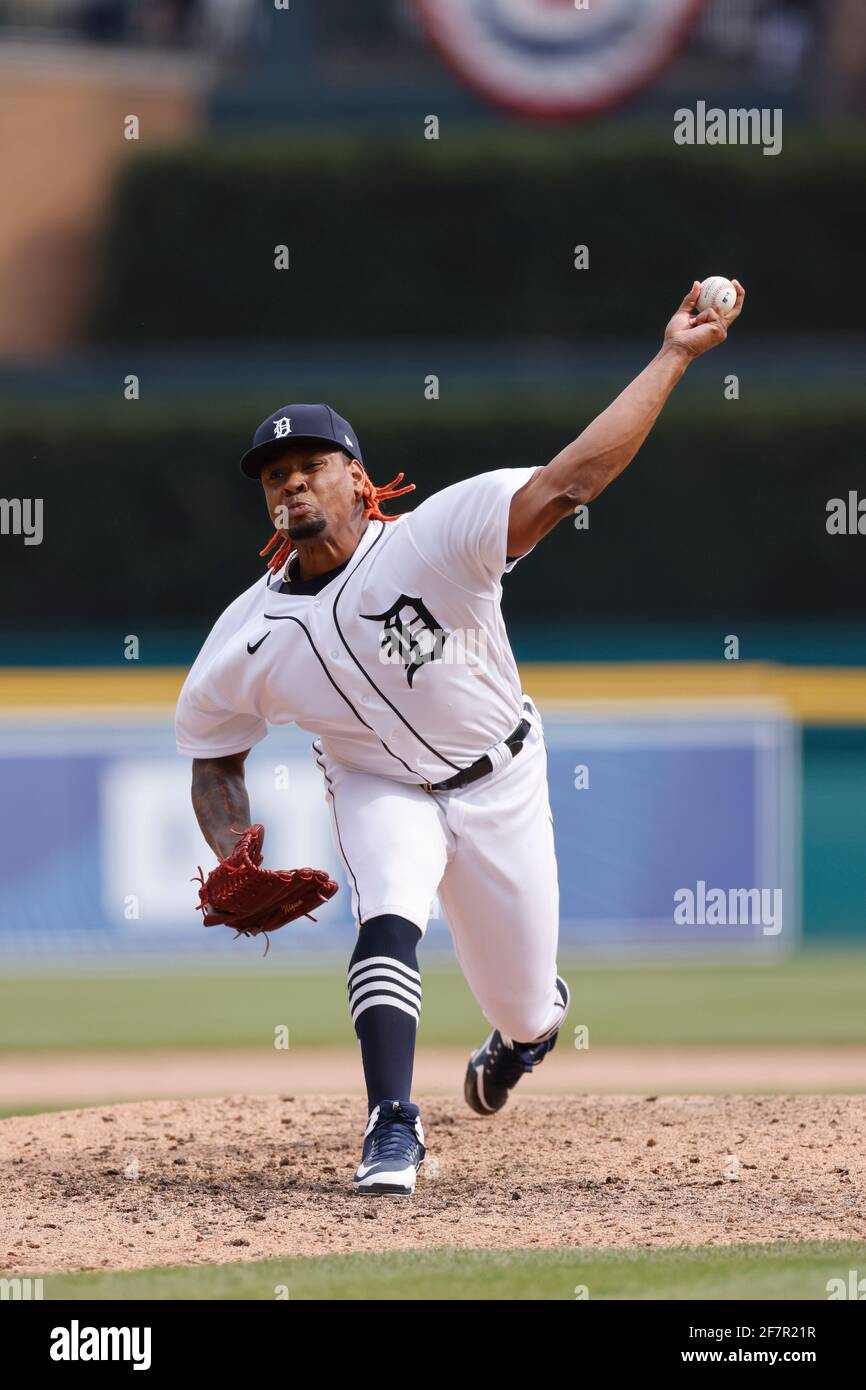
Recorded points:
406,243
472,236
723,514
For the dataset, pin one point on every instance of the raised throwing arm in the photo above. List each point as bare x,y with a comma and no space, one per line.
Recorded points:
220,800
585,467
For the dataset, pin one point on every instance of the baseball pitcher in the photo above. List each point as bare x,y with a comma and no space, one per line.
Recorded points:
383,636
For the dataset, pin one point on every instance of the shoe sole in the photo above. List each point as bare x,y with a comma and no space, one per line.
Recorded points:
471,1096
383,1189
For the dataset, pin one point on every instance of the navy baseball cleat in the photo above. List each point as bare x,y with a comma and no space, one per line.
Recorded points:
393,1150
499,1063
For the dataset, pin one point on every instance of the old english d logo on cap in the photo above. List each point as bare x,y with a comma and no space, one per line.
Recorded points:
299,424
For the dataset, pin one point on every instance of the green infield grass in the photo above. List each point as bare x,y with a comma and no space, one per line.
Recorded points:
811,998
737,1272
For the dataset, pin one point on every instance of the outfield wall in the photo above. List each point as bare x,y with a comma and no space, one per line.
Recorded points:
653,797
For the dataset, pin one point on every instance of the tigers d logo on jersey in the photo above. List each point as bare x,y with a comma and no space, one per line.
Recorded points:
558,58
410,634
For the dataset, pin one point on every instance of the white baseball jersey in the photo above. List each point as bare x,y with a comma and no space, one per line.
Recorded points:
400,664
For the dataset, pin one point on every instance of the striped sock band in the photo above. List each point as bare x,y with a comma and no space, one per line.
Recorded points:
386,981
385,1000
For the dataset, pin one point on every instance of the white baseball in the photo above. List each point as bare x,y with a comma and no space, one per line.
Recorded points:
719,294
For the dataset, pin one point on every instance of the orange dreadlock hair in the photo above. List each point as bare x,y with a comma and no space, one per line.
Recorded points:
371,496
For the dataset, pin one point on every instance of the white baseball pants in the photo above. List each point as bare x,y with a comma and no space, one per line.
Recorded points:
487,850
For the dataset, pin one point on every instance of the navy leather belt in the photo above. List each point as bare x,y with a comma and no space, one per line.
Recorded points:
483,767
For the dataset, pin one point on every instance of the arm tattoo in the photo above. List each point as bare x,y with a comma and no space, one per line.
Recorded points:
220,800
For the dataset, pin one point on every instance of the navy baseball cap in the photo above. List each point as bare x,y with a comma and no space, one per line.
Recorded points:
293,424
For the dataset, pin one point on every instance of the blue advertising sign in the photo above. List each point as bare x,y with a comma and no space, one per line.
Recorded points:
675,831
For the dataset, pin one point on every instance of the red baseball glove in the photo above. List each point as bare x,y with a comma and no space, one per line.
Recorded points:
239,893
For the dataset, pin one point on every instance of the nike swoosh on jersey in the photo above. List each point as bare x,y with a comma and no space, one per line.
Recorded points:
255,647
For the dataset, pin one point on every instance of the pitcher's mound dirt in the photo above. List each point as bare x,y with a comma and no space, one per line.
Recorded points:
244,1178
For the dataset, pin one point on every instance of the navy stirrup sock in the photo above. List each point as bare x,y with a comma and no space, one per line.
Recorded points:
385,1002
